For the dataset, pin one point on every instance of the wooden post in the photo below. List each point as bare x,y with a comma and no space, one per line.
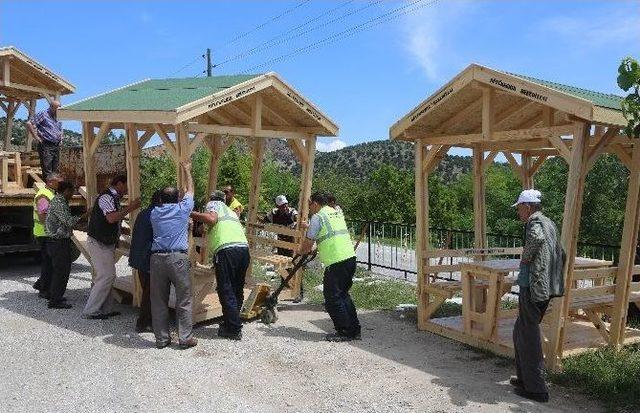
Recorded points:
9,123
479,205
422,232
90,179
133,166
527,173
32,113
213,144
569,240
627,252
132,156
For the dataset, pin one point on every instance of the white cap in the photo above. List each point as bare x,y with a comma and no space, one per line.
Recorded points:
281,200
531,196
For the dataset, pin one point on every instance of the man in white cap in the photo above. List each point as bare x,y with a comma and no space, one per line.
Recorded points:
284,215
287,216
540,279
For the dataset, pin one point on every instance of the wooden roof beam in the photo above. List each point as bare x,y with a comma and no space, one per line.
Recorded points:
458,116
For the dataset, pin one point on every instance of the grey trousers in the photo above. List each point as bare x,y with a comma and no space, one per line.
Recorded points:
103,259
527,344
167,269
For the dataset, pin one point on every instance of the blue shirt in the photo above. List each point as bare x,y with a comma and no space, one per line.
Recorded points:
48,128
170,224
141,239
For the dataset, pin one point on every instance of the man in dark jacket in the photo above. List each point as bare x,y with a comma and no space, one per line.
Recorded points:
103,236
140,259
540,279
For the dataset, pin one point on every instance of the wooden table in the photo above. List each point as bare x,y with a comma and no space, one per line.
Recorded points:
483,285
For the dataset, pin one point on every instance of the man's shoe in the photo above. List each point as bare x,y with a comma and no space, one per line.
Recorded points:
339,338
515,382
112,314
192,342
536,397
60,305
43,294
95,316
298,299
160,345
143,327
224,333
37,285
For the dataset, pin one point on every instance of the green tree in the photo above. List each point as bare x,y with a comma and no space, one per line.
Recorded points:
629,80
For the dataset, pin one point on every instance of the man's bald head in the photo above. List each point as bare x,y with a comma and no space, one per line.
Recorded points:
53,106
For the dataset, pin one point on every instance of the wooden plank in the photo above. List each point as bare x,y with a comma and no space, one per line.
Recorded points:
431,153
90,178
4,173
488,111
488,161
245,131
600,146
195,142
569,239
171,148
562,148
468,252
422,232
479,204
622,154
144,139
627,251
517,169
298,150
592,273
277,229
537,164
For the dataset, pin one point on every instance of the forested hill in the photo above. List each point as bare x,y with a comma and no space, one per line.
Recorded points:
359,161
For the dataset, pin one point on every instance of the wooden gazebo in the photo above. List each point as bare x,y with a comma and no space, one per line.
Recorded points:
528,120
213,111
23,81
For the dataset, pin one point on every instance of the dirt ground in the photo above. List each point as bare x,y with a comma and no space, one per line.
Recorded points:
54,361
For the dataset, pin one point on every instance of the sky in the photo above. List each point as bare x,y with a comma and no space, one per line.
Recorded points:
365,81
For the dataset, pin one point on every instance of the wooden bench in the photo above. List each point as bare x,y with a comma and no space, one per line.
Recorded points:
441,290
263,240
10,171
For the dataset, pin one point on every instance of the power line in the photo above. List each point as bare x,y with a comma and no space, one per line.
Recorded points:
383,18
185,66
270,42
260,26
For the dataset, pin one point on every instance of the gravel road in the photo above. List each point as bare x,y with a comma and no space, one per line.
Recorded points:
55,361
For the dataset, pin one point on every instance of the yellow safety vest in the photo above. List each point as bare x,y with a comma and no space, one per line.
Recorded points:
228,230
235,204
38,228
334,241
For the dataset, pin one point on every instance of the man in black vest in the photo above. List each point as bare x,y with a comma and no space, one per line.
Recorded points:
104,233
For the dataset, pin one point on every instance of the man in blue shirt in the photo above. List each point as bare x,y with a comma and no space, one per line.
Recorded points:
47,131
140,259
170,263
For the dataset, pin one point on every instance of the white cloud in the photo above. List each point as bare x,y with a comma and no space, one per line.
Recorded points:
424,34
330,145
596,30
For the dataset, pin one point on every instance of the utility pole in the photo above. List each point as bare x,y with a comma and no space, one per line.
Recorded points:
209,66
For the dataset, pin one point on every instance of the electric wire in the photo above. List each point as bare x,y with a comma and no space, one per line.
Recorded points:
272,42
383,18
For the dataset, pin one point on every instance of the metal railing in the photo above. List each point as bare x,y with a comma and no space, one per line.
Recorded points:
390,247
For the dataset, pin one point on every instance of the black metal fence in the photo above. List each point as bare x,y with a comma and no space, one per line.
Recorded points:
390,247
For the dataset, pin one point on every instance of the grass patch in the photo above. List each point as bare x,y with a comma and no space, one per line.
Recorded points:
612,377
369,294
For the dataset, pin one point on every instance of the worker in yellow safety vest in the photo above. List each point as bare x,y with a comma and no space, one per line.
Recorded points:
229,245
40,208
328,229
231,201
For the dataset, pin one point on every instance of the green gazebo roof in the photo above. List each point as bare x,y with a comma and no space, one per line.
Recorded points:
159,94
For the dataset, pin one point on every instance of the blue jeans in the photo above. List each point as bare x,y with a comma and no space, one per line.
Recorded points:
337,282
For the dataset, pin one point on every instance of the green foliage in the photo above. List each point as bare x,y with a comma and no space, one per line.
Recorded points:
629,80
610,376
368,294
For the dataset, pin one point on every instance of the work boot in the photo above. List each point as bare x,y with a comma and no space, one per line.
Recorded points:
224,333
192,342
515,382
536,397
59,304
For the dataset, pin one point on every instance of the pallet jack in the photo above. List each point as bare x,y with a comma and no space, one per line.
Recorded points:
262,302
